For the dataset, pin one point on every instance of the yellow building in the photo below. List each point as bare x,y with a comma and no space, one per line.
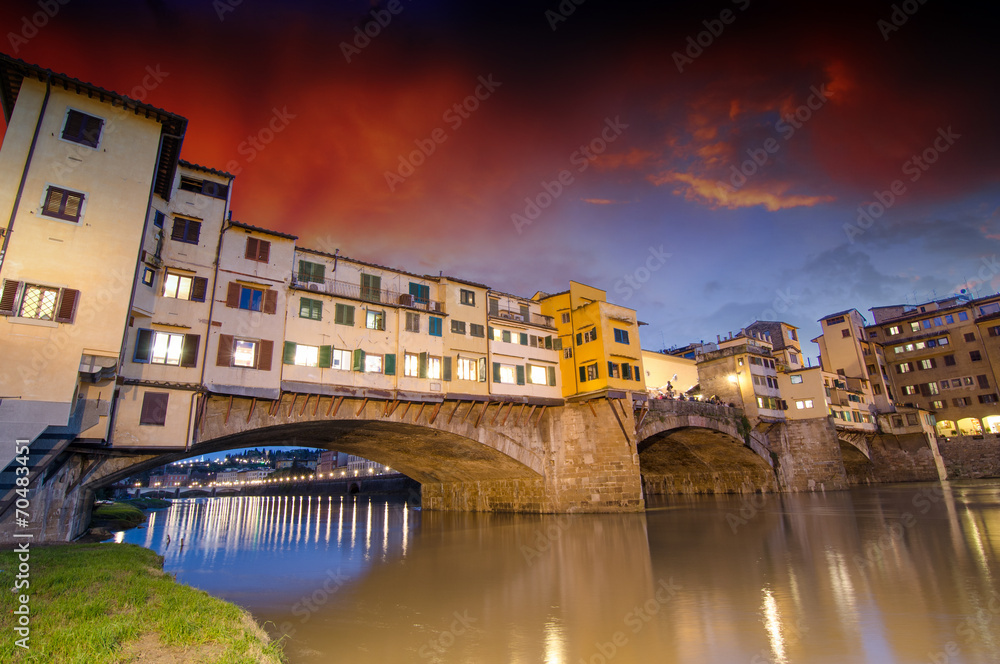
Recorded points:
600,342
665,372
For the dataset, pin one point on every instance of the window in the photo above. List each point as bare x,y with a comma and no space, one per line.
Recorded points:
158,218
184,287
975,356
82,128
915,326
344,315
892,330
927,364
411,365
371,287
207,187
310,272
834,321
505,335
877,389
945,384
984,382
795,379
621,336
987,398
434,368
903,367
421,294
306,356
468,368
467,297
186,230
937,405
434,325
251,299
38,302
793,358
994,331
963,315
457,327
341,359
522,338
244,353
873,334
588,372
584,337
970,336
949,319
565,318
845,332
538,375
932,388
910,389
613,370
967,380
507,374
373,363
412,322
257,250
804,403
166,348
792,335
568,352
148,275
63,204
311,309
628,373
154,408
375,320
477,330
992,308
962,402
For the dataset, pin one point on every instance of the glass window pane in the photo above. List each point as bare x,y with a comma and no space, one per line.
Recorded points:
306,356
170,286
243,353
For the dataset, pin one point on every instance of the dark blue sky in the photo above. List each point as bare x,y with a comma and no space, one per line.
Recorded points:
711,153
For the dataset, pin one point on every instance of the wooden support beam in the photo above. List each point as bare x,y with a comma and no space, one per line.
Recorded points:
530,413
434,413
509,410
540,414
406,409
276,406
332,410
390,407
295,395
621,425
455,410
304,404
486,404
591,404
642,418
253,404
519,414
416,418
229,409
201,416
316,407
497,414
363,404
472,407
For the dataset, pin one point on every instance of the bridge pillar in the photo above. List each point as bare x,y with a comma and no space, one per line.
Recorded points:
809,457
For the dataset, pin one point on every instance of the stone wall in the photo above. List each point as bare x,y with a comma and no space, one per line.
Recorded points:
902,458
808,454
971,457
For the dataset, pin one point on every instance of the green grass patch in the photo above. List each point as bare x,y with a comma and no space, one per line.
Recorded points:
117,516
146,503
94,603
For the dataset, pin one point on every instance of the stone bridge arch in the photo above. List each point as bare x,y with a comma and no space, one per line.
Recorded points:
693,447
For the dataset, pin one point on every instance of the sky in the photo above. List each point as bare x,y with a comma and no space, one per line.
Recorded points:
707,164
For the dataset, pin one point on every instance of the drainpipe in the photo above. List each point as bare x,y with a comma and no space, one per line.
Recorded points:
24,172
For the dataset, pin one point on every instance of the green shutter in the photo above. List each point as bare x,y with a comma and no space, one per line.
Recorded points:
552,376
325,357
422,365
579,339
523,339
520,374
288,357
446,368
496,372
143,345
583,374
390,364
506,335
482,370
490,332
359,360
611,369
548,343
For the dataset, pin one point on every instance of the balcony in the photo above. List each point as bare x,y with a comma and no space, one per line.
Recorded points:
531,319
365,293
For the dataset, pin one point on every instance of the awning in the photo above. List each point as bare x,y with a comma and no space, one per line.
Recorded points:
98,368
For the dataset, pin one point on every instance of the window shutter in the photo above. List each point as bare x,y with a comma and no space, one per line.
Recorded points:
263,251
233,295
359,360
390,364
143,346
74,125
251,252
265,350
925,390
225,356
177,231
270,301
325,357
494,307
583,375
496,372
505,335
189,352
154,408
548,343
422,365
520,374
8,299
67,305
198,289
193,231
482,370
53,202
446,368
552,376
579,339
984,382
489,332
556,344
611,369
523,338
288,355
349,316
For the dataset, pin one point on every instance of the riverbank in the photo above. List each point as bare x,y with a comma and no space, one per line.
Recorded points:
114,603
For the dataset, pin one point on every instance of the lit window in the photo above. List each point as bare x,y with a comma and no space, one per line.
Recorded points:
508,374
306,356
538,375
375,320
373,363
434,368
178,286
167,348
467,297
411,365
244,353
342,360
39,302
804,403
467,369
795,379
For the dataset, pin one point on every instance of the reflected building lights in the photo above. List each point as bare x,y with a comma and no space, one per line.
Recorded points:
772,623
555,642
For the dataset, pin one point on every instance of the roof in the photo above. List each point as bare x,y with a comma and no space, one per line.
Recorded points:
460,281
361,262
240,224
14,71
206,169
844,313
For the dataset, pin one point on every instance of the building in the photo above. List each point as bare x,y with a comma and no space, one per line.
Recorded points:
666,373
601,354
741,369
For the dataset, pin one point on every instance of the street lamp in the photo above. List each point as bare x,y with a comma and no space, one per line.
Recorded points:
735,379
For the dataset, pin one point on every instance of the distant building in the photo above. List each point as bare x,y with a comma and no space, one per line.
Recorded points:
742,370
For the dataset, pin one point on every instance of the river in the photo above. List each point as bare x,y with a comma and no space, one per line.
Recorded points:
901,573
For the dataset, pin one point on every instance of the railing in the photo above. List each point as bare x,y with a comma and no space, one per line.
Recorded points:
531,319
365,293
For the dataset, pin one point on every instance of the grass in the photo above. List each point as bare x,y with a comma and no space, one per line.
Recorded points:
117,515
146,503
95,603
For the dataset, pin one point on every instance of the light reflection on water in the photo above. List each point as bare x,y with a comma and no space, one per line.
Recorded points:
893,574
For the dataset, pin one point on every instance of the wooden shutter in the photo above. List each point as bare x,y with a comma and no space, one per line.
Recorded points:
446,368
53,202
422,365
579,339
178,229
225,357
557,344
496,372
505,335
251,252
390,364
189,352
548,343
288,356
67,305
925,390
482,370
8,299
523,338
193,231
359,360
494,307
154,408
270,301
984,382
489,332
349,315
611,369
265,350
552,375
583,374
199,288
74,125
326,357
520,374
233,295
143,346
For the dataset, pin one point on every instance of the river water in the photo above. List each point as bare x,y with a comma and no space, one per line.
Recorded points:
905,573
